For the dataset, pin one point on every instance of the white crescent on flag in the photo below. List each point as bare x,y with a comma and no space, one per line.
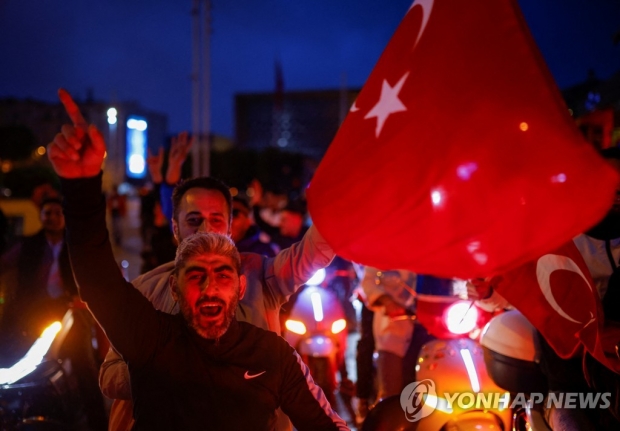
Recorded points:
389,102
545,266
427,8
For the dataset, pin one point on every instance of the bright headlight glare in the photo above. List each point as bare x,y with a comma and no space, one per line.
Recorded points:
338,326
317,278
295,326
29,362
461,317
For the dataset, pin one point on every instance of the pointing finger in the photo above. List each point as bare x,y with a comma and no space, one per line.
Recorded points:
72,109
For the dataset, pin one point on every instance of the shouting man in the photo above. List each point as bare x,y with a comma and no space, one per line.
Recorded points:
200,369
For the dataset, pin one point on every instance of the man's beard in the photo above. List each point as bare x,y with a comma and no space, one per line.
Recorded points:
214,330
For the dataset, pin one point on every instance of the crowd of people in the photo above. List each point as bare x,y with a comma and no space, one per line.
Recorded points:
194,339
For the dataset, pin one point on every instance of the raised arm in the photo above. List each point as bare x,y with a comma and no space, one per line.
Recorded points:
126,316
293,266
154,162
179,149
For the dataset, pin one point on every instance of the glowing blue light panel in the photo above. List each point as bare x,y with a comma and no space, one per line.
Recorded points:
136,147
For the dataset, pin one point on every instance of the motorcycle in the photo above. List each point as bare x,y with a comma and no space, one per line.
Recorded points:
452,383
39,388
317,328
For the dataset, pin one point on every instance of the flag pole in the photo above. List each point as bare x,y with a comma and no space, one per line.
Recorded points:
201,84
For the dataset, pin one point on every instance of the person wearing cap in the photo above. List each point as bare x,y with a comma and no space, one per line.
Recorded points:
247,236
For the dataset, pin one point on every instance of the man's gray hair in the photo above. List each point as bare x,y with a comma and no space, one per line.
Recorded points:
203,243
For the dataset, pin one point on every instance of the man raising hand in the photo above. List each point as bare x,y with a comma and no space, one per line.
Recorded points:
200,369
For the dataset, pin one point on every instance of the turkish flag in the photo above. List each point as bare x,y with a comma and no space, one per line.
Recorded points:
557,295
459,157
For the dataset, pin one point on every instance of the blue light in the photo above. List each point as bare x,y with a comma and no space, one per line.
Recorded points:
135,157
136,164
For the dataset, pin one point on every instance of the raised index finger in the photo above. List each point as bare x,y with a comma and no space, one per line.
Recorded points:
72,109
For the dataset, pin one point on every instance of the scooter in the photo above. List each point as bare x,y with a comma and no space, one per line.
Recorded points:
452,387
38,382
317,328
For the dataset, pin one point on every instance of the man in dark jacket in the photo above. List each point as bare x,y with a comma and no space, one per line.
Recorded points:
200,369
42,262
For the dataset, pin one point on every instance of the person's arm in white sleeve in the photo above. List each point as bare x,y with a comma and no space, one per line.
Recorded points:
293,266
114,377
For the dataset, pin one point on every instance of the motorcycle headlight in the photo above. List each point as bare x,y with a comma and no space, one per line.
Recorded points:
317,278
295,326
461,317
33,357
338,326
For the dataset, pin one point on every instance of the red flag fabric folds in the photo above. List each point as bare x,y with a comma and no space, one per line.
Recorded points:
459,157
557,295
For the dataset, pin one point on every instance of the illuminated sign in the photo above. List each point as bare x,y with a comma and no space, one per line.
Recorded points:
136,147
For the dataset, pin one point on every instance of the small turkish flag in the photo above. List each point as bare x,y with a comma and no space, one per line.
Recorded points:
459,157
557,295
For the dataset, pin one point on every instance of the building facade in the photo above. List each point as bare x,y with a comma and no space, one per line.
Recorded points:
303,122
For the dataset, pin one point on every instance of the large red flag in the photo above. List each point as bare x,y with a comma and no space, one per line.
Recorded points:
459,157
557,295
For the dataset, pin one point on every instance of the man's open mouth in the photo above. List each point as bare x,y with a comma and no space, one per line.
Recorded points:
210,309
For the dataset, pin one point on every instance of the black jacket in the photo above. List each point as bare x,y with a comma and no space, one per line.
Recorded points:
30,260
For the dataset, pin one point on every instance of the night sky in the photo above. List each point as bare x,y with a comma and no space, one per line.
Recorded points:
141,49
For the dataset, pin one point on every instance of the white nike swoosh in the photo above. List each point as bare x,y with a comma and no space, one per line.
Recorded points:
249,376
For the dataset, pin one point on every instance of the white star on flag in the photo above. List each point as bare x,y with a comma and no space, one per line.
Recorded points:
388,103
